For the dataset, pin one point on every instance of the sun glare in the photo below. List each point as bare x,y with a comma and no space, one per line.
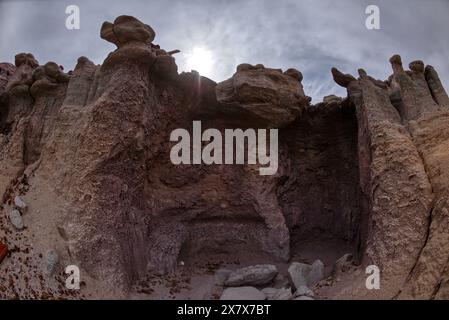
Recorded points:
200,59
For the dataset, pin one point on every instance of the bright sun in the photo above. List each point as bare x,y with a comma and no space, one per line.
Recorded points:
200,59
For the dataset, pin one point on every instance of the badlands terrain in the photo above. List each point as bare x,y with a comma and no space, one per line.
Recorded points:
86,180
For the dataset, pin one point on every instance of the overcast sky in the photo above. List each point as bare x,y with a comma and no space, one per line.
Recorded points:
310,35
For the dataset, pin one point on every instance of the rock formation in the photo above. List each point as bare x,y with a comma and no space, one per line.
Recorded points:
88,153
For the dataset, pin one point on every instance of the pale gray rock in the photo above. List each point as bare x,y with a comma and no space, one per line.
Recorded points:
257,275
304,298
16,219
242,293
19,203
302,274
278,294
304,291
316,273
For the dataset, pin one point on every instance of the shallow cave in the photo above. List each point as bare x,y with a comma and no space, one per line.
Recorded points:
320,195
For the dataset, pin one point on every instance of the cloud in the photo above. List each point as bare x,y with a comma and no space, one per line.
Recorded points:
310,35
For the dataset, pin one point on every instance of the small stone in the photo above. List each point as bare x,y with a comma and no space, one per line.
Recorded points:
19,203
3,251
242,293
278,294
257,275
52,261
304,298
302,274
304,291
16,219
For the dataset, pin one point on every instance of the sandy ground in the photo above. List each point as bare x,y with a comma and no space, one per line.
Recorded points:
23,276
196,280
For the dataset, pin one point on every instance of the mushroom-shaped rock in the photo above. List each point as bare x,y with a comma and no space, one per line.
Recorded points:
265,96
52,70
25,58
417,66
20,81
126,29
396,62
342,79
292,72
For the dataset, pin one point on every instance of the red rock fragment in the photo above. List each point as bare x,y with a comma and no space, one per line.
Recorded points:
3,251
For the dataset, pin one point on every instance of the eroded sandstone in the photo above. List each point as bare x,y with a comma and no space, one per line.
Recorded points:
88,152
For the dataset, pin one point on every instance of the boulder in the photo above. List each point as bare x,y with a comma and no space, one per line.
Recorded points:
242,293
257,275
126,29
265,95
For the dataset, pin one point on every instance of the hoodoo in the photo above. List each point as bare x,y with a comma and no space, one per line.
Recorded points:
356,181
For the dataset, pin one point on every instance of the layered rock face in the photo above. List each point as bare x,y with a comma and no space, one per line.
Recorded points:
89,151
403,157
